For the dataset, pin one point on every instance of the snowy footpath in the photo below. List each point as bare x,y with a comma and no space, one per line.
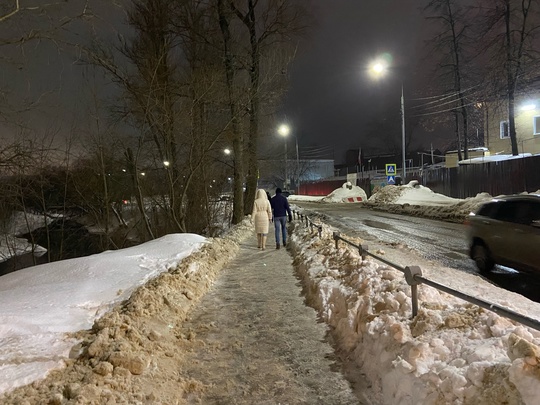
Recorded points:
256,342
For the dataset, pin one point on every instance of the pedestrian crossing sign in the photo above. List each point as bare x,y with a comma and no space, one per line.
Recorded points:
390,169
391,179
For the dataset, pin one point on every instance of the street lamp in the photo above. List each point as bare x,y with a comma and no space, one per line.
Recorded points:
284,131
378,69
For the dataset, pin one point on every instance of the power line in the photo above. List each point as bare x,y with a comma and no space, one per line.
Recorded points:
443,111
444,95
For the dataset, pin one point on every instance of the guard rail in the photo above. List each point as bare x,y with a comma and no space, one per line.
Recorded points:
413,277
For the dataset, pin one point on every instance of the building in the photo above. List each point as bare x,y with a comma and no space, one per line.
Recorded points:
527,118
451,157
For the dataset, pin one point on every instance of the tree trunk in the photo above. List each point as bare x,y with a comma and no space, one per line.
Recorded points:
254,75
238,180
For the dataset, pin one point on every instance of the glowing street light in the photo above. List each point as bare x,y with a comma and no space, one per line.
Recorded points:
166,163
284,130
378,69
227,151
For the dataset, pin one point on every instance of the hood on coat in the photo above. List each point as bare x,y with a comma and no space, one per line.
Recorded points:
261,194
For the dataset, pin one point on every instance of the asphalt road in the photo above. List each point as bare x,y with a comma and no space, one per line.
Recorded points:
440,241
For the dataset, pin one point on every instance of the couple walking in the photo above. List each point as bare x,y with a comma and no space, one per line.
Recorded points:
266,209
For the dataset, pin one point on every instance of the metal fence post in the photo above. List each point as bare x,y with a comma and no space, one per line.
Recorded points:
362,249
410,273
320,230
335,235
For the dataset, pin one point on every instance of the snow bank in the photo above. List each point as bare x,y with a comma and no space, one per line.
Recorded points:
98,359
347,190
452,352
414,199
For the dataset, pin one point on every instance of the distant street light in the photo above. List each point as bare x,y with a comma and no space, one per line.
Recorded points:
227,151
378,69
166,163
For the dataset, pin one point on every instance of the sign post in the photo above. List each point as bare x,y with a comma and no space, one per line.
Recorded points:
391,173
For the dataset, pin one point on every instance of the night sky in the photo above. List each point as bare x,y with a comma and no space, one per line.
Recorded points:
331,98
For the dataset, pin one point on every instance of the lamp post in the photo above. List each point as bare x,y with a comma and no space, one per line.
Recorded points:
284,131
403,134
297,167
378,69
227,153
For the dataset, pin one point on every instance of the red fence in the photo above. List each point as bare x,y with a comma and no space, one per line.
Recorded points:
325,187
321,188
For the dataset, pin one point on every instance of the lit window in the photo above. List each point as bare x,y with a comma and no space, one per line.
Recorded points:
504,130
536,125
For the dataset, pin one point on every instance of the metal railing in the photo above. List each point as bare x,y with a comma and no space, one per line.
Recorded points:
413,277
308,222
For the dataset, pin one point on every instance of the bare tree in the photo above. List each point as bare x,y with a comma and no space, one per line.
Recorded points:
454,43
510,33
225,15
268,24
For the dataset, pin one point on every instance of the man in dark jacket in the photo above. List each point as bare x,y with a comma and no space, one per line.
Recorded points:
280,209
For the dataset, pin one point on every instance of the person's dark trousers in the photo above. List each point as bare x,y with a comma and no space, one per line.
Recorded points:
280,225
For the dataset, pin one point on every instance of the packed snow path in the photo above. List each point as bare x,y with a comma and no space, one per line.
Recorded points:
255,342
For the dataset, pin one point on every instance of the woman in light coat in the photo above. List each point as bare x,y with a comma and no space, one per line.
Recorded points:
261,217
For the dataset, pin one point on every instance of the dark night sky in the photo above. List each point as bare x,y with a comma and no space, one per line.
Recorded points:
331,97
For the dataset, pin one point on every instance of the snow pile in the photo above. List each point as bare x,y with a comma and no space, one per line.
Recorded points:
452,352
417,200
386,195
420,195
19,223
347,190
41,301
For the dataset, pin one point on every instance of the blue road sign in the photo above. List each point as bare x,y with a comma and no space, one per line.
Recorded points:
391,179
390,169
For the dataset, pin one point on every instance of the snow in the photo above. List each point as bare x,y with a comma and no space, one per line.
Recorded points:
452,352
41,304
20,223
347,190
493,158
